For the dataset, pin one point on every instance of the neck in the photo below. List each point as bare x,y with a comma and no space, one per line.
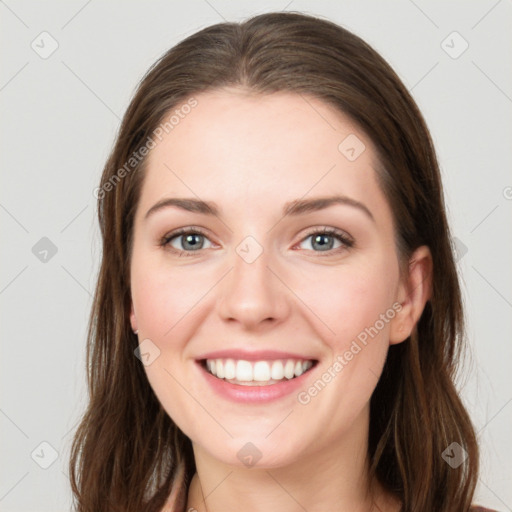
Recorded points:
332,477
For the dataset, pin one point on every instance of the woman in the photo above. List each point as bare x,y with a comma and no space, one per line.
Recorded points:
277,320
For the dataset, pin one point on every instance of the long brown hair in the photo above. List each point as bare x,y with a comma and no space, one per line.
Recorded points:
127,454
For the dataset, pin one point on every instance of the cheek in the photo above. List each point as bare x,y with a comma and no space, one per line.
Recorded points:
356,303
351,299
164,306
164,299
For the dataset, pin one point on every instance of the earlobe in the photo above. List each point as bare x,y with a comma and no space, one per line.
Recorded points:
413,293
133,320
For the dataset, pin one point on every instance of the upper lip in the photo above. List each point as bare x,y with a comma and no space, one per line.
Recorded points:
256,355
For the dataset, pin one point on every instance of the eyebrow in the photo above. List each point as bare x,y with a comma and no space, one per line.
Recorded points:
297,207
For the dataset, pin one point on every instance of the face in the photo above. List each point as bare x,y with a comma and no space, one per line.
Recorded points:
265,307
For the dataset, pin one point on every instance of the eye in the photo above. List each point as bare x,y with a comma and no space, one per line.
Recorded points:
186,240
327,240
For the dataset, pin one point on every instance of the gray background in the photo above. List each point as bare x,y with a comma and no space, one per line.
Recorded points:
59,116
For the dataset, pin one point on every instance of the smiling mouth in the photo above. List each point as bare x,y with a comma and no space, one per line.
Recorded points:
257,373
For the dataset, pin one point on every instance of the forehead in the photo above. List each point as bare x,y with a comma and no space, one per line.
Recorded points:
253,148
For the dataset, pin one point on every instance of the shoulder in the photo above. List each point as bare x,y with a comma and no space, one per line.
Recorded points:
478,508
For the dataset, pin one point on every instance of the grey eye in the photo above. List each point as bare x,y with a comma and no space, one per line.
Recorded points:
190,241
322,242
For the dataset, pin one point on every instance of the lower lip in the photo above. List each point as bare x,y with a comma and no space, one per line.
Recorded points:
254,394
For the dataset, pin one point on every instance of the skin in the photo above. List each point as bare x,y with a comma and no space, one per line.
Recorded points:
251,154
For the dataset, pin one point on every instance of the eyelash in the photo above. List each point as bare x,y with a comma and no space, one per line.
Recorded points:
339,235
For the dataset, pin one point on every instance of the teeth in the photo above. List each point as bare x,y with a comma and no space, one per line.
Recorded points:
229,369
262,371
243,371
258,371
289,369
277,372
220,368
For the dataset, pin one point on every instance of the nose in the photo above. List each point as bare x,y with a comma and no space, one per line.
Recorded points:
252,294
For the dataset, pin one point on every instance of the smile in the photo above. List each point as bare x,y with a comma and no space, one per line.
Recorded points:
257,373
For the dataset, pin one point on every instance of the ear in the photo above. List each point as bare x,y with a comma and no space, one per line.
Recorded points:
414,291
133,320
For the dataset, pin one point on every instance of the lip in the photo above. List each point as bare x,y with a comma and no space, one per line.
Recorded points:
253,394
260,355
